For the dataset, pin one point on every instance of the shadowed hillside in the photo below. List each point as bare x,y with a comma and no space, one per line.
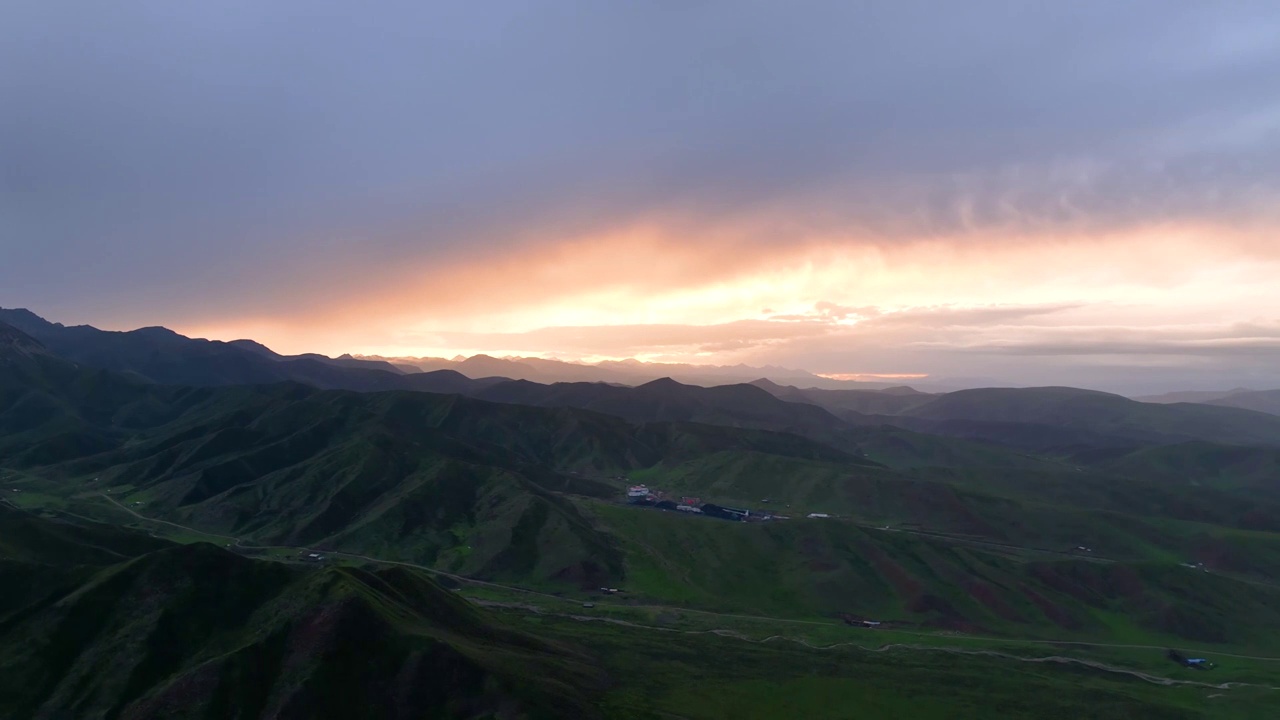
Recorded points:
1267,401
667,400
1044,418
196,632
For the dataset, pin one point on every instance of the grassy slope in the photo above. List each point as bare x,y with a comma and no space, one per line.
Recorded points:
822,569
1063,416
670,676
489,490
198,632
194,631
471,488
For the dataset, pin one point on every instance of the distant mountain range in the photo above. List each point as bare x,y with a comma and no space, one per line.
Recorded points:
161,355
1267,401
621,372
1039,419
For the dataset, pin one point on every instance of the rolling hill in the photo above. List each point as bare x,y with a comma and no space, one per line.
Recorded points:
1045,418
196,631
855,403
666,400
169,631
1267,401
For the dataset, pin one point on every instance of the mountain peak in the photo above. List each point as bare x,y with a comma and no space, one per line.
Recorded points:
156,331
254,347
24,320
663,383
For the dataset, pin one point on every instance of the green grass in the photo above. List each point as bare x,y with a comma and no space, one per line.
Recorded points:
980,555
825,633
667,677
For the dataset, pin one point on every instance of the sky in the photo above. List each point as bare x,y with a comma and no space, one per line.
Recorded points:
1027,193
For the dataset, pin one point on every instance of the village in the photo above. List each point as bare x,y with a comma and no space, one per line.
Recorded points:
655,498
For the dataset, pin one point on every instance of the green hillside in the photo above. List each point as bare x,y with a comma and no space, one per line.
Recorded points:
1033,416
197,632
1115,544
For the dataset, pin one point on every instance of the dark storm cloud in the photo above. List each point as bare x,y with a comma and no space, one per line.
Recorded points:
243,155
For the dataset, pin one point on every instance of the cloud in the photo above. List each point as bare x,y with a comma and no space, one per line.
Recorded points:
331,178
1222,342
740,336
944,316
630,340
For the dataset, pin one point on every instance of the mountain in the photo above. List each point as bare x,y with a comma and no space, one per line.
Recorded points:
622,372
1064,418
1052,418
665,400
1267,401
162,356
885,401
1191,396
196,631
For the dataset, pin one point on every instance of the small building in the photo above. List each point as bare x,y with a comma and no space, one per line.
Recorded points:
817,515
725,513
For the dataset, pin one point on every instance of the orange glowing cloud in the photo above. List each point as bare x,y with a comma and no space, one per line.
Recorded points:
651,290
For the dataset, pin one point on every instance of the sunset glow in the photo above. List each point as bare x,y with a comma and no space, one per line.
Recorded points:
915,217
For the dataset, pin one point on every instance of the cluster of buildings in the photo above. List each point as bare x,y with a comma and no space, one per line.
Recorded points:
1196,663
652,497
